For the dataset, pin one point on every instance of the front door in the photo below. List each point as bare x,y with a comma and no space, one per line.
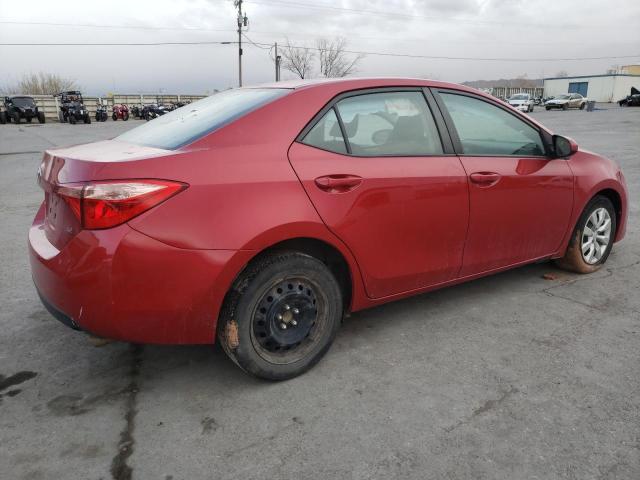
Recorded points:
374,167
520,199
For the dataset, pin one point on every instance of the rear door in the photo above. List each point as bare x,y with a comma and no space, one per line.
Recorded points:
520,199
375,167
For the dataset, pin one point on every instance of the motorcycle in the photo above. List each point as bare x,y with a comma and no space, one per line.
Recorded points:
149,112
120,111
101,113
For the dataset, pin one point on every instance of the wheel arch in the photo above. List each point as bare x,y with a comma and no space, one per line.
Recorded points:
337,258
616,199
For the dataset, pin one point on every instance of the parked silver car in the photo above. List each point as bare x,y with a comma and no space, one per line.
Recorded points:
566,101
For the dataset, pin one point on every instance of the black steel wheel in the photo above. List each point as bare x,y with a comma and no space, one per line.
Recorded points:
285,321
281,315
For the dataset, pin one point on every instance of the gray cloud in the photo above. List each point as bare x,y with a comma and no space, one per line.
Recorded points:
459,28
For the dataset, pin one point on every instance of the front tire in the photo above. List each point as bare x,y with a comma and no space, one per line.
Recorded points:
565,106
281,315
582,105
592,239
41,117
547,108
16,117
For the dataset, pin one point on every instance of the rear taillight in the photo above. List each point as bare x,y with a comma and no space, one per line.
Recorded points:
106,204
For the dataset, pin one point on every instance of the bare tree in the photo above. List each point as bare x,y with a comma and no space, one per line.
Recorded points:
562,74
41,84
334,61
298,60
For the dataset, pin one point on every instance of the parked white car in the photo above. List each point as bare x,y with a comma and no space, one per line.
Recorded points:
521,101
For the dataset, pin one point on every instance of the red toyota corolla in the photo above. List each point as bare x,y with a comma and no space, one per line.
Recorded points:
264,214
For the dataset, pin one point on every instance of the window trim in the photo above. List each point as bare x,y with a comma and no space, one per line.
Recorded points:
545,136
443,136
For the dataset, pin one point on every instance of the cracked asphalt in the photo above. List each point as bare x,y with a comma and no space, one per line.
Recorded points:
508,377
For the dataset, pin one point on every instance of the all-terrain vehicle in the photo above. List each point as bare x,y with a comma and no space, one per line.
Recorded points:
120,111
101,113
72,107
21,106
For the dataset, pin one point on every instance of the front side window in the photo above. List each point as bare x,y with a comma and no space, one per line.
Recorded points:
485,129
326,134
191,122
389,124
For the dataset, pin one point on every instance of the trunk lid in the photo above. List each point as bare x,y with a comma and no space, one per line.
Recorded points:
82,163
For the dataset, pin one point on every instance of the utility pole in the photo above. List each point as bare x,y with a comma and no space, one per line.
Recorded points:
278,58
242,22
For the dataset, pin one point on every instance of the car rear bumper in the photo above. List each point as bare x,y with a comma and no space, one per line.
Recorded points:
121,284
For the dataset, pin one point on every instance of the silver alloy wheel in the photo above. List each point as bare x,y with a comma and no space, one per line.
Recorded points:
596,235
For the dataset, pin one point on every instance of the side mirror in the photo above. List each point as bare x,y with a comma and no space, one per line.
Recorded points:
564,146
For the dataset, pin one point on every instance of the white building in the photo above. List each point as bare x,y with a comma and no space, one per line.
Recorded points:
610,87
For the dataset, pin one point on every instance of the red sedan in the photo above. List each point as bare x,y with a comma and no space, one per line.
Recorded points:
262,215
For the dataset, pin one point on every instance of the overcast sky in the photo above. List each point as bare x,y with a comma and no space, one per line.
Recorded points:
526,29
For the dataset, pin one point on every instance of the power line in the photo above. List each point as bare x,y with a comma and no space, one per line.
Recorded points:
444,57
261,32
355,52
121,44
134,27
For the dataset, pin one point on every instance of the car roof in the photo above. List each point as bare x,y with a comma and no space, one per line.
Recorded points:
363,82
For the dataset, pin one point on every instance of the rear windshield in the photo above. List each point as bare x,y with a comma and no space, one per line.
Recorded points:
187,124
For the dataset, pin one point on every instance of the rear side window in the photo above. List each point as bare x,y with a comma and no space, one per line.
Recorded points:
326,134
191,122
389,124
485,129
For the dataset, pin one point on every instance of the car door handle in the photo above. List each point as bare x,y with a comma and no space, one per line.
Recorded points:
485,179
338,183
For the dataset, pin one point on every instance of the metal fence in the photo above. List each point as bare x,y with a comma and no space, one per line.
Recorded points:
506,92
50,104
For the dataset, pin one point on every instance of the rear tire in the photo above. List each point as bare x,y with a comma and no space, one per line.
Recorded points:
87,118
547,108
72,119
3,118
582,105
565,106
576,258
15,117
125,117
281,315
